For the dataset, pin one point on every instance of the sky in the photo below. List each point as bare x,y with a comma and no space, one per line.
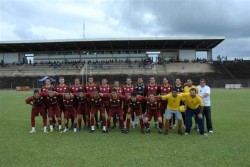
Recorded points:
64,19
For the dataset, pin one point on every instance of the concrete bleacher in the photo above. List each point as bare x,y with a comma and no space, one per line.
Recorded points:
189,68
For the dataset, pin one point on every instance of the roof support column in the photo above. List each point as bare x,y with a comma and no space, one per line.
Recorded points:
209,55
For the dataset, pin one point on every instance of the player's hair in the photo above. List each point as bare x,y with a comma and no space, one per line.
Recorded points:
174,90
151,94
165,77
202,80
36,91
133,94
128,78
152,77
77,78
189,79
90,77
193,89
61,78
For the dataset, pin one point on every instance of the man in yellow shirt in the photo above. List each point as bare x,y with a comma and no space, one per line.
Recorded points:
194,106
189,85
174,99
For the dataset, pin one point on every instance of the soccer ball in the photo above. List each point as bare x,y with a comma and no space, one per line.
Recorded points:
182,108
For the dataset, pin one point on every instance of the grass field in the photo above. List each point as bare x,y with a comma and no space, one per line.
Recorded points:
228,146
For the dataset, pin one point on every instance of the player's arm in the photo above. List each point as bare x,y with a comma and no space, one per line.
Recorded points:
29,100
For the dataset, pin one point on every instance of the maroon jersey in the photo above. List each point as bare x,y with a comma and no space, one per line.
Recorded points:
127,90
116,103
152,89
90,88
75,88
135,105
69,104
61,89
37,103
96,102
152,106
105,89
166,89
82,101
119,90
45,89
52,101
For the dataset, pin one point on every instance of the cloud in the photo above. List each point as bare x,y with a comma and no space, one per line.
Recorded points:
62,19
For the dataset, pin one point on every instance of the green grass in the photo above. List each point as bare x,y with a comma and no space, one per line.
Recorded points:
228,146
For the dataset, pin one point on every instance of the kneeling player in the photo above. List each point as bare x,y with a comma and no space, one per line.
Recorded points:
153,105
70,111
135,107
173,106
97,104
37,102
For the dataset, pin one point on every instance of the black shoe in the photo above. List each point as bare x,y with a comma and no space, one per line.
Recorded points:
97,126
148,130
91,131
126,131
159,131
142,131
122,130
107,131
156,126
104,131
166,133
180,132
113,127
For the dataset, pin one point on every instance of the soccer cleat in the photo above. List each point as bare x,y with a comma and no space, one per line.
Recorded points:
186,133
148,130
113,127
65,130
32,131
180,132
210,131
45,131
126,131
51,130
97,126
122,130
159,131
91,131
142,131
204,134
166,132
156,125
107,131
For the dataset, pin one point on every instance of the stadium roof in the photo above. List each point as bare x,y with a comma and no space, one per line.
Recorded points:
159,43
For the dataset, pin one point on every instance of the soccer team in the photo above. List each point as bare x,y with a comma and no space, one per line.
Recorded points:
138,102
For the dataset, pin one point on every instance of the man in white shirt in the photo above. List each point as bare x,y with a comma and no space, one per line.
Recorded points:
204,93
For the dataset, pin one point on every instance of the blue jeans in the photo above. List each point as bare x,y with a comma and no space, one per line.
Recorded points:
207,115
189,114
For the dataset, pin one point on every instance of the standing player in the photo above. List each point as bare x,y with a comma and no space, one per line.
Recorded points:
204,93
37,102
173,105
127,89
152,88
195,107
105,88
135,107
90,88
179,89
140,90
165,89
70,111
97,104
153,105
